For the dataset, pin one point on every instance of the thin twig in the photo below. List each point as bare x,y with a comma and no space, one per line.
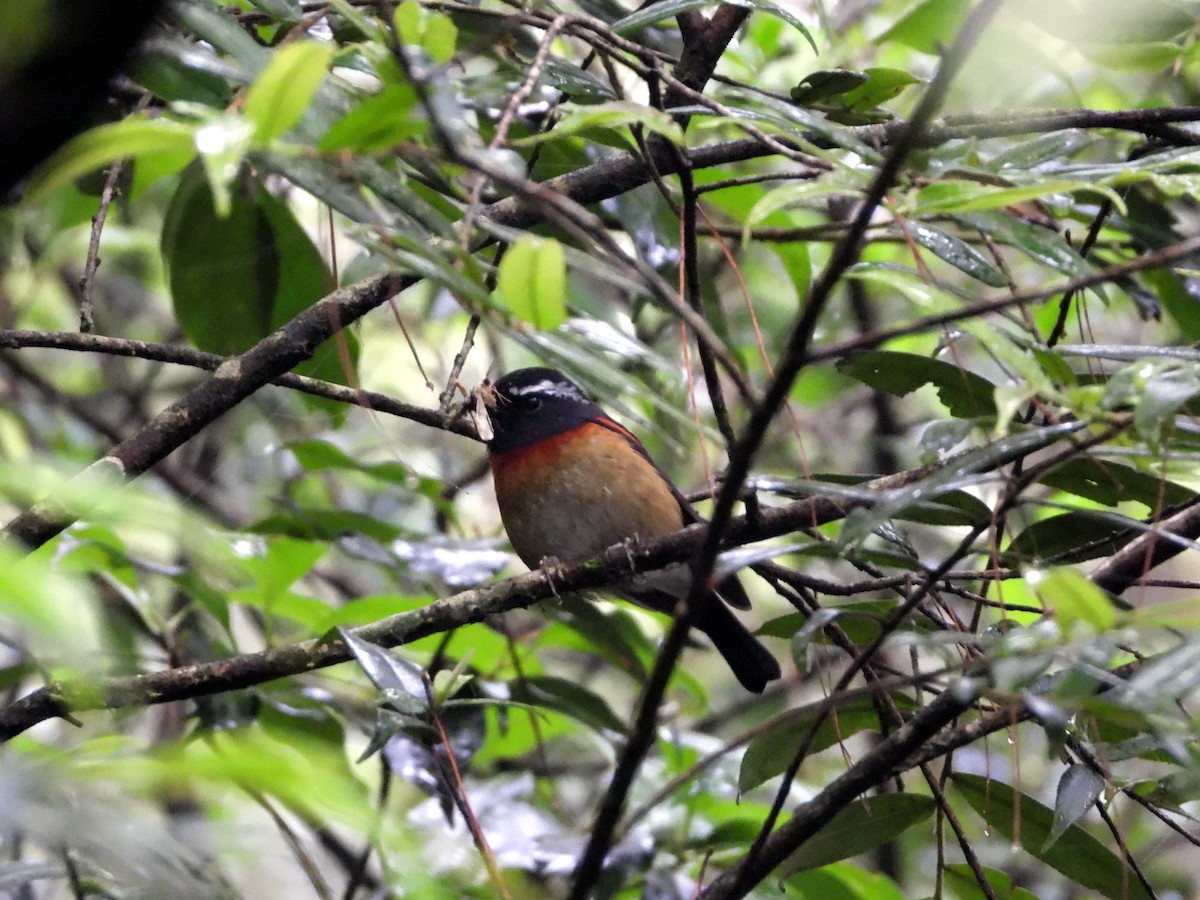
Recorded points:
178,354
87,281
459,791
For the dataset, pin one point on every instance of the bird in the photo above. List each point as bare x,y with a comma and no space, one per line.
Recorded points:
571,481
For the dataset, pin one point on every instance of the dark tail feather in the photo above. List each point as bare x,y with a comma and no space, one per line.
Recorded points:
750,661
731,591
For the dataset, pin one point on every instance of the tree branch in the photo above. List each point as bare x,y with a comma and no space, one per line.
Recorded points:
178,354
233,381
461,609
620,173
882,762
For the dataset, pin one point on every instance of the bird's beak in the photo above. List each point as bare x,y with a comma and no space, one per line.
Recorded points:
485,396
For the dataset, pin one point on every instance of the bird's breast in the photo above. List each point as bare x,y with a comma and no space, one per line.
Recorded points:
574,494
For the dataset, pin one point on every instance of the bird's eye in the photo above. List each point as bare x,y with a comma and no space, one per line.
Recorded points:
533,402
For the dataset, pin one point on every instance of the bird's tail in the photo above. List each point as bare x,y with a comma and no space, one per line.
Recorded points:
750,661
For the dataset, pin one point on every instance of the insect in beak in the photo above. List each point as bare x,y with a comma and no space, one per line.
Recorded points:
485,396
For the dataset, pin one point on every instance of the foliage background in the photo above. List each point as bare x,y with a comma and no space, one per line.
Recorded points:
946,243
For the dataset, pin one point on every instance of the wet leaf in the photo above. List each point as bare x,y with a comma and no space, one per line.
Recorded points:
377,123
957,252
1071,537
1109,482
398,680
1078,789
1076,854
826,83
881,85
1162,396
961,878
601,117
972,196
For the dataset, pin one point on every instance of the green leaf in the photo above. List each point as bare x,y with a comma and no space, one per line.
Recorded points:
236,279
377,123
959,196
168,144
599,117
804,635
316,456
1176,614
570,698
311,523
1180,305
1073,598
1161,397
770,753
407,20
284,562
880,85
862,522
276,101
859,828
364,610
434,32
1049,248
842,881
929,26
222,288
440,39
1108,482
578,85
787,196
284,10
964,393
1024,155
822,85
957,252
1072,537
1076,854
533,282
1151,56
960,878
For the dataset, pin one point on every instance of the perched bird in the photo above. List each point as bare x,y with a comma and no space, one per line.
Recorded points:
571,482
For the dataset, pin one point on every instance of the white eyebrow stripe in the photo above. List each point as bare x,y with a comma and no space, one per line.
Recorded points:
546,386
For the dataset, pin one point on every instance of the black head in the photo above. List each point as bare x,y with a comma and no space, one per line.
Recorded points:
530,405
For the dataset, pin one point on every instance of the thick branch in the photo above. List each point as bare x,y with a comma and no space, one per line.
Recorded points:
703,49
621,173
1129,565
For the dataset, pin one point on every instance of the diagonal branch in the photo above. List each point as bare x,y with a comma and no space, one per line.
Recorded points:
881,763
467,607
620,173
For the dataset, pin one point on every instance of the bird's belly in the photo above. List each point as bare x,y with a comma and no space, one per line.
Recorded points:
576,494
